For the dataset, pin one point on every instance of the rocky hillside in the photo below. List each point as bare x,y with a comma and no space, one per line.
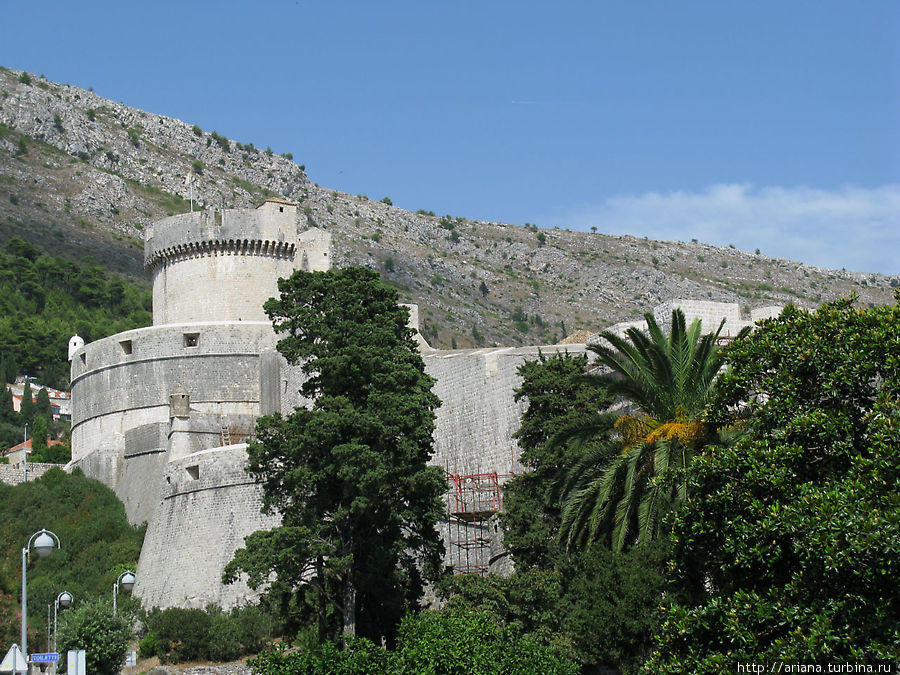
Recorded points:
82,175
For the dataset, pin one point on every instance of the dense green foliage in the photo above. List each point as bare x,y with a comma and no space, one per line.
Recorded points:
559,397
621,499
92,627
97,543
45,300
789,546
175,635
10,621
445,642
349,474
41,427
597,605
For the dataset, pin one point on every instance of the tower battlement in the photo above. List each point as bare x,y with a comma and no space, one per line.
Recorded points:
223,265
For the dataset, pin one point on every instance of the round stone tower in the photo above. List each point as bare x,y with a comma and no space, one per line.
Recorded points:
222,265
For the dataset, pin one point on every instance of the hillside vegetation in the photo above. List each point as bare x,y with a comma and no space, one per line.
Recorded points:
96,545
45,300
83,175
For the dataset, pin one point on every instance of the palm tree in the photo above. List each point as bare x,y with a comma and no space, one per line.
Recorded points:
670,380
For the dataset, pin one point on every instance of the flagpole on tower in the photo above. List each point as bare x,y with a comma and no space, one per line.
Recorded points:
189,181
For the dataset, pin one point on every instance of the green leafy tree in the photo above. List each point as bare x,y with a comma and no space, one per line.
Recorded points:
598,606
11,621
10,428
789,548
7,412
349,474
469,641
559,397
443,642
27,408
45,300
58,453
91,626
670,379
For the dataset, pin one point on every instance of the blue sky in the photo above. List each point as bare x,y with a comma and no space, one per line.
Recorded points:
771,125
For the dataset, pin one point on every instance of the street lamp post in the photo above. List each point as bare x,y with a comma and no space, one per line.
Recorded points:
63,600
127,581
25,456
44,543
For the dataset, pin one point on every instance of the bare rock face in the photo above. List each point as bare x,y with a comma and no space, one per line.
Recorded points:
84,175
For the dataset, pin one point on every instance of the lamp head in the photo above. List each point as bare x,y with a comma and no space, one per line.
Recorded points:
127,582
44,544
65,599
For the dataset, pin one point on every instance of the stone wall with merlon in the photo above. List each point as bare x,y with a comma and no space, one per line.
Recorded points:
230,225
709,313
769,312
207,505
220,265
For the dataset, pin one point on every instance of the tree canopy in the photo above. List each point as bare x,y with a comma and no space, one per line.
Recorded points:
560,397
789,546
44,300
104,637
348,474
598,605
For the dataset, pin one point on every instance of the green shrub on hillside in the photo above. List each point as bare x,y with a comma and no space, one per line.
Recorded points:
44,300
439,642
93,627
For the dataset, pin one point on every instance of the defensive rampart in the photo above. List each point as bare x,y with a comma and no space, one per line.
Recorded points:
478,414
207,505
160,414
126,423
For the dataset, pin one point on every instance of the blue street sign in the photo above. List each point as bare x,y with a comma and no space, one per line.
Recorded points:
41,658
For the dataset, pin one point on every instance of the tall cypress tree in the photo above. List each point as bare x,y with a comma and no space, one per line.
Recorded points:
349,475
7,412
42,405
27,408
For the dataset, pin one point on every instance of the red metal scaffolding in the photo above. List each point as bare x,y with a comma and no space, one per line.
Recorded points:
472,501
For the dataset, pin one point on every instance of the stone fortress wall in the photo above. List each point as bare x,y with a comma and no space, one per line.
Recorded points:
161,414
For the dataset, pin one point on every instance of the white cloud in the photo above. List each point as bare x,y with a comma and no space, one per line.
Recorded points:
852,228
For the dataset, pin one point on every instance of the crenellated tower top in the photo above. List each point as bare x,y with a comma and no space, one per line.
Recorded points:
223,265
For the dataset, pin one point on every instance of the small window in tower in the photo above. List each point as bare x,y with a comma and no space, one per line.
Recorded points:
126,346
83,359
191,339
193,472
280,209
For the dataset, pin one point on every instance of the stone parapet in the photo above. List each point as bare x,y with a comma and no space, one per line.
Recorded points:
245,231
12,474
